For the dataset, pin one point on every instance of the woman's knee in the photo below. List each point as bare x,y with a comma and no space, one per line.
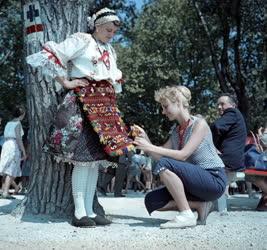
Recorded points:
164,175
163,164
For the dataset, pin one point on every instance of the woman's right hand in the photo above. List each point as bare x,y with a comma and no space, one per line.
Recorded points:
72,84
141,131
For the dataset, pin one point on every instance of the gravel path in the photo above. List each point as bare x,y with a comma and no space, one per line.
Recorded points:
132,228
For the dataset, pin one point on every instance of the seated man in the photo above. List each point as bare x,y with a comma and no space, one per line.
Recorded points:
229,135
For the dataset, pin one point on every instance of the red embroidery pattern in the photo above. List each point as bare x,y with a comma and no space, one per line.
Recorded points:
99,104
52,56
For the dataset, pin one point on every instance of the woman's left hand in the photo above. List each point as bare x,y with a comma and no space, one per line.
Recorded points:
142,143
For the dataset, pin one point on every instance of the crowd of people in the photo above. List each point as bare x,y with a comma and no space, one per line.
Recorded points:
187,173
134,171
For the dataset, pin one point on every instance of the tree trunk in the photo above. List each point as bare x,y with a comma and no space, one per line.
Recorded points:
230,78
50,182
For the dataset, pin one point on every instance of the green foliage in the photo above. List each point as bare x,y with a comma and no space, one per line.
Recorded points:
11,56
169,46
163,44
239,29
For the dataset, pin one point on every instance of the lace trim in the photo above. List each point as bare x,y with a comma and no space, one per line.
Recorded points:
104,163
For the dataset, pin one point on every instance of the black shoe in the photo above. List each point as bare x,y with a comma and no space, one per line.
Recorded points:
85,221
119,195
102,191
101,221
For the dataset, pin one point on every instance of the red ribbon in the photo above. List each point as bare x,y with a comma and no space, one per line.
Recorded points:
105,58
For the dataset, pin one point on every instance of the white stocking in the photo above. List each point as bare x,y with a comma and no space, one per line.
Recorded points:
79,182
90,188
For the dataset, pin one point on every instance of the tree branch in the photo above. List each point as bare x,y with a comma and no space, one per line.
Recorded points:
4,58
214,59
224,60
237,60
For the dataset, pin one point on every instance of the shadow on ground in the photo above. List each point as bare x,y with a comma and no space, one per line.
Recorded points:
119,214
13,207
136,221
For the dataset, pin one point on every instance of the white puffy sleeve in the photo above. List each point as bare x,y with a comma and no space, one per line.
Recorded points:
53,59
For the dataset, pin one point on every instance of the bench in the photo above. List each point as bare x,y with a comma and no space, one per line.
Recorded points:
255,172
221,203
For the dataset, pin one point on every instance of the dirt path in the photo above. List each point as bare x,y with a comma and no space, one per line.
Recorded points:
133,228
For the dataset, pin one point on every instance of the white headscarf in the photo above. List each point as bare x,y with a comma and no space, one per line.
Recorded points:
104,15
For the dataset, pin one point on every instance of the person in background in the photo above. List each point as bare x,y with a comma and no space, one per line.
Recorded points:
147,172
1,141
229,135
118,174
188,164
11,153
107,180
1,118
121,173
257,180
1,137
134,171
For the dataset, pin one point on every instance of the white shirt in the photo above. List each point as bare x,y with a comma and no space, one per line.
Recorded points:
10,131
84,54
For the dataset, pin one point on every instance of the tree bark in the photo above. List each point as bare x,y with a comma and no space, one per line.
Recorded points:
50,182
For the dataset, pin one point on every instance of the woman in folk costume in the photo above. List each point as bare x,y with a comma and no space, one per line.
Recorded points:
95,79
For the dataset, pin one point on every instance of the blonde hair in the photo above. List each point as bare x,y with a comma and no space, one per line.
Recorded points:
174,94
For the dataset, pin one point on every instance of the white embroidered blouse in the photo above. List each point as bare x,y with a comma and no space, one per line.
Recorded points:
88,58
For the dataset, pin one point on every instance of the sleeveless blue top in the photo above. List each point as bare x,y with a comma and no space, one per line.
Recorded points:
205,155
